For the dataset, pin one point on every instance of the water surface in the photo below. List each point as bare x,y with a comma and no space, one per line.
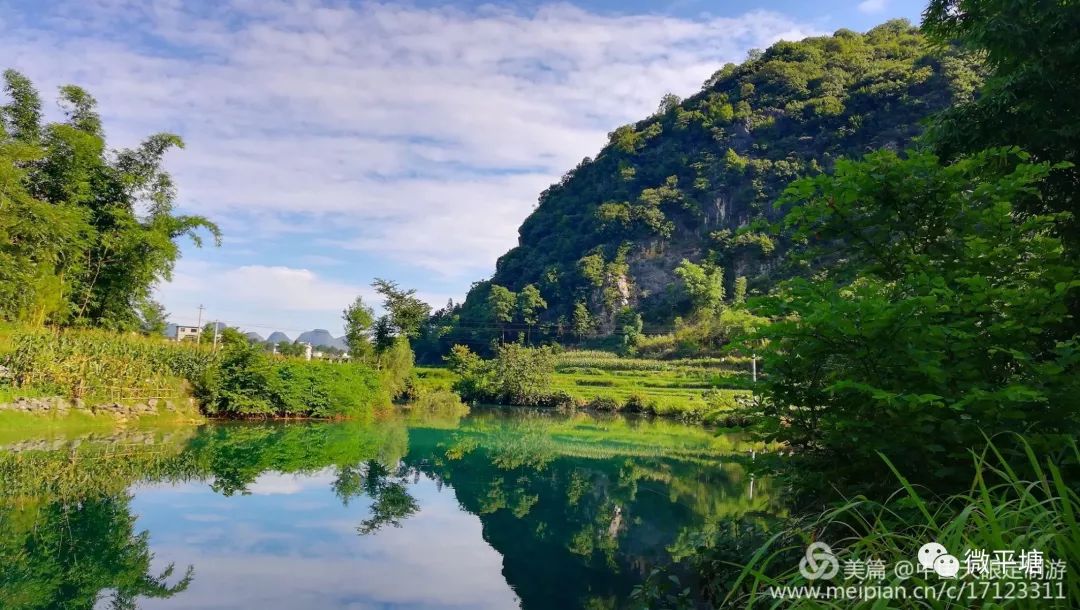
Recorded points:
494,510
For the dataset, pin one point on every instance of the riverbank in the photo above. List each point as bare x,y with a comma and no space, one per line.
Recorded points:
705,390
18,424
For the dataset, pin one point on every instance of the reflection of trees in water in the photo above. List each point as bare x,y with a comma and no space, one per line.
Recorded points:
578,520
391,501
66,531
68,554
392,504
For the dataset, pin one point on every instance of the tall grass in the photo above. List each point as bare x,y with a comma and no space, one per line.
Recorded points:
1005,509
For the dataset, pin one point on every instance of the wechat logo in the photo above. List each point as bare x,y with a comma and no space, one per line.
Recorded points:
819,562
933,557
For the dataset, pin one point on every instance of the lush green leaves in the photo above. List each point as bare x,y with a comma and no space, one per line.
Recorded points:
85,234
937,312
244,381
517,375
359,318
407,313
704,284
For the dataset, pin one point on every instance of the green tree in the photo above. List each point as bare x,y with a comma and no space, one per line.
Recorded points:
1030,99
383,335
153,319
40,242
582,321
630,323
22,115
502,302
933,326
88,232
359,318
739,298
704,285
286,348
407,313
668,102
529,305
517,375
230,335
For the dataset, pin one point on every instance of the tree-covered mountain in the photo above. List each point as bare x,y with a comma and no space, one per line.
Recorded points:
692,180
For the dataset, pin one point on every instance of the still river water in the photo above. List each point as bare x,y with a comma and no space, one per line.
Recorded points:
497,509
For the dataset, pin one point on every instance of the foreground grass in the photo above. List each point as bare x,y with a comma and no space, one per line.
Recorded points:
1012,506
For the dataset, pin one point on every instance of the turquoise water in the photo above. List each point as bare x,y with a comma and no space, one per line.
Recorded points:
493,510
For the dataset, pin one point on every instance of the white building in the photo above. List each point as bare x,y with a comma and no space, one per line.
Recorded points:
184,333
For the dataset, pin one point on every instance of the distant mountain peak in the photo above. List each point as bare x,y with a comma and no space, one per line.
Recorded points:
320,337
277,337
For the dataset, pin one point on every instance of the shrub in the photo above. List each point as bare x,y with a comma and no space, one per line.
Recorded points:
635,403
326,389
440,401
559,400
247,382
518,375
604,403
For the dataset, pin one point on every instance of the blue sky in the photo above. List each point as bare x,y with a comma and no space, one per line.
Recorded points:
292,544
340,141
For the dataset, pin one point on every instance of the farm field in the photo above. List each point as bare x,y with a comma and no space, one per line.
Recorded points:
698,389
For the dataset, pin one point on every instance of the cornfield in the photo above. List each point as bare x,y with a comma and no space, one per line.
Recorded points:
606,361
94,364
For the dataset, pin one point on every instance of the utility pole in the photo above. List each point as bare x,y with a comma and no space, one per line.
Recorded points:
753,366
198,325
215,334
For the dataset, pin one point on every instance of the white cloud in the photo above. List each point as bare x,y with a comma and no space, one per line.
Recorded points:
872,6
438,559
276,483
291,299
421,136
